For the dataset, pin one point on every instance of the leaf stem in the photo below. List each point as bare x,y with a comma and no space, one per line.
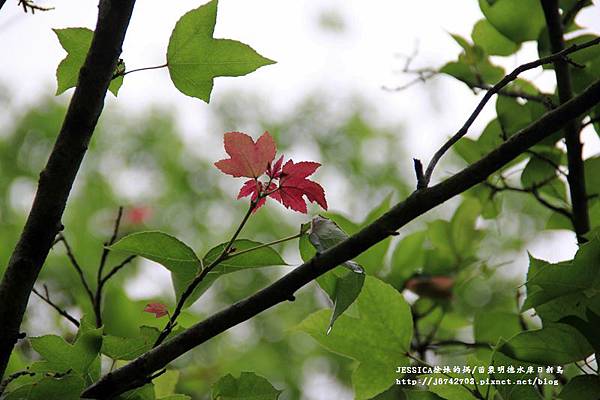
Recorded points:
285,239
200,277
141,69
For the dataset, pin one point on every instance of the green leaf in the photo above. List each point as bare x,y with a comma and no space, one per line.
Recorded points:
165,384
145,392
491,41
540,169
347,289
407,258
166,250
546,282
518,20
121,348
325,234
378,339
556,344
491,326
262,257
66,388
343,287
61,356
248,386
582,387
513,392
76,42
464,236
195,58
421,395
590,327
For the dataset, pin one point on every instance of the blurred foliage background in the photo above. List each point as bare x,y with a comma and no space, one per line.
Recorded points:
167,182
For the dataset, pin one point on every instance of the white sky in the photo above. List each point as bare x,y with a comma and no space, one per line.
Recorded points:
361,60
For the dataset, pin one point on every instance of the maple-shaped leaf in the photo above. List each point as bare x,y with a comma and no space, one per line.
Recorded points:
293,185
254,188
247,158
76,42
158,309
195,58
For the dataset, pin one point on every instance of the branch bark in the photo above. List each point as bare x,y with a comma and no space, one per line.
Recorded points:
576,177
43,222
560,55
138,371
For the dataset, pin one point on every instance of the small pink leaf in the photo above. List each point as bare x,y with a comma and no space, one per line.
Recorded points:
158,309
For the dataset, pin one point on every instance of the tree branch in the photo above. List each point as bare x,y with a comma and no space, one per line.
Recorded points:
134,374
561,55
43,222
97,299
200,277
576,177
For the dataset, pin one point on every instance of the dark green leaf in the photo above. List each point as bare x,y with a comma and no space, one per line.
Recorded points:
195,58
555,344
583,387
248,386
546,282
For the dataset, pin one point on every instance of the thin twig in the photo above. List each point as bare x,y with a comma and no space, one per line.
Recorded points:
97,299
116,269
460,343
47,300
77,266
569,15
541,98
494,90
200,277
12,377
534,190
30,5
548,160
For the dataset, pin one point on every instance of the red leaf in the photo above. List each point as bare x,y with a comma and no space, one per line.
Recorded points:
138,215
158,309
247,158
293,185
253,188
275,171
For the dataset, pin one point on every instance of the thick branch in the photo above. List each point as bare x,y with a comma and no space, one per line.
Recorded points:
576,177
421,201
561,55
57,177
